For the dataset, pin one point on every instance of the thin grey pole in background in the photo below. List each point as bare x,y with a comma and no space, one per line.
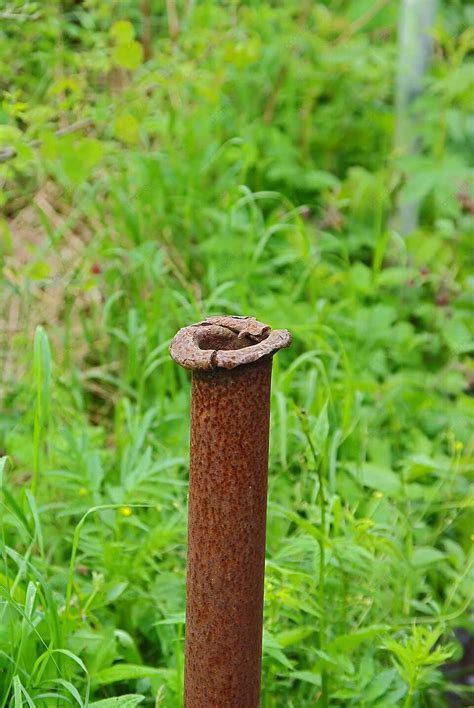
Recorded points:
415,48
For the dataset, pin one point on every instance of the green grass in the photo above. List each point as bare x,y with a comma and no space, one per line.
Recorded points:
245,167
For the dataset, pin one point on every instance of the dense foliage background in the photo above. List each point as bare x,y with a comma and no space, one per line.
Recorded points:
165,161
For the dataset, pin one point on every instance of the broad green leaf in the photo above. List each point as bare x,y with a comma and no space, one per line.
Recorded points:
380,684
272,648
9,135
318,179
325,658
307,677
79,159
66,83
457,335
50,145
346,643
293,636
375,477
38,271
91,152
115,591
393,697
122,31
426,555
126,128
125,672
307,526
418,186
129,701
396,276
128,55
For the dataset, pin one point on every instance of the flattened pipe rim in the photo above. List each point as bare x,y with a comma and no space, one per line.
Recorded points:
249,340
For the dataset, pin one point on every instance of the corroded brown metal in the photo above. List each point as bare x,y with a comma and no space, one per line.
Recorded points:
231,360
226,342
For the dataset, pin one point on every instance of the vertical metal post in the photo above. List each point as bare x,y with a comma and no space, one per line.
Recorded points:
415,47
231,361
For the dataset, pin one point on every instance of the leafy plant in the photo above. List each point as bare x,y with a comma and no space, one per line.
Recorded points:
417,658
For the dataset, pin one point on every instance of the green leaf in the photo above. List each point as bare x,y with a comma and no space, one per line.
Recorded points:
378,478
24,152
172,619
128,56
70,688
317,180
380,684
417,186
321,429
122,32
426,555
42,374
293,636
271,647
38,271
69,654
307,526
3,465
115,591
393,697
307,677
50,145
325,658
79,158
125,672
346,643
457,336
18,690
6,238
9,135
129,701
126,128
396,276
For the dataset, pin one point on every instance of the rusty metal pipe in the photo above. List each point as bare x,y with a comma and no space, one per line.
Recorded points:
231,362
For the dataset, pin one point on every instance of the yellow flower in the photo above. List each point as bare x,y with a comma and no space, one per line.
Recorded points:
125,511
83,492
458,446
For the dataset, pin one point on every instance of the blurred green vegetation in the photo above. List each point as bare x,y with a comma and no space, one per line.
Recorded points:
160,162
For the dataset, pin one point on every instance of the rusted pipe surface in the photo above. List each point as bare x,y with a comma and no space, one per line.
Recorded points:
226,342
231,360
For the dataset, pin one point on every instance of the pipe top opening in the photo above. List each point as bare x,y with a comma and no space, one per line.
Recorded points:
226,342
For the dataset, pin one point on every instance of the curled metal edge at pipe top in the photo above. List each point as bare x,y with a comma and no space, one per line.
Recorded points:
245,341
